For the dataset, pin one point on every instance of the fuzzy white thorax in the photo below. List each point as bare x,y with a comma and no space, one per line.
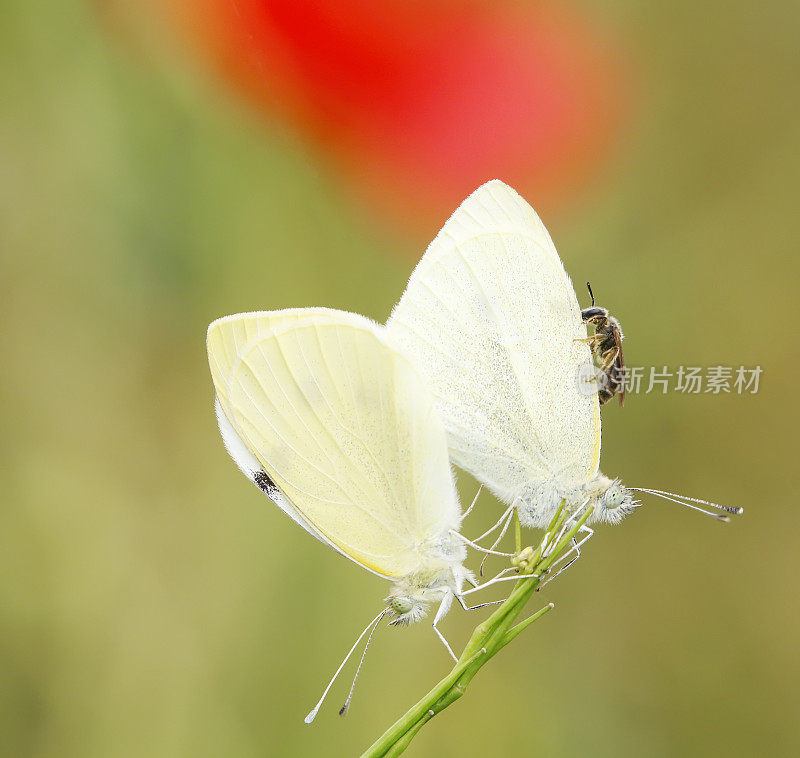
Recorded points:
611,501
411,595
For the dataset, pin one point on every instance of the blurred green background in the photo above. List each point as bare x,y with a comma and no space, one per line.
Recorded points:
153,603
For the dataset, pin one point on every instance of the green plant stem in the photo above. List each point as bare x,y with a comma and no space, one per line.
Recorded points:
489,637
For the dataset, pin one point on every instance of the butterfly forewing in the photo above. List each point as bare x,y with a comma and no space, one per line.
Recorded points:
491,319
346,429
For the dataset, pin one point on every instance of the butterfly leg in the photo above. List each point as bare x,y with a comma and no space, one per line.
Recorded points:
480,605
499,538
469,510
498,579
500,574
549,542
576,548
498,523
444,607
486,550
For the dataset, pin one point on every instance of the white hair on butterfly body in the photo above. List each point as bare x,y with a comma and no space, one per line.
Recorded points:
411,597
611,501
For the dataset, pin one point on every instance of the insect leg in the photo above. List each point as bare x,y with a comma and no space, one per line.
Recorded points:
469,510
480,605
609,362
591,338
499,538
499,579
498,523
486,550
444,607
576,548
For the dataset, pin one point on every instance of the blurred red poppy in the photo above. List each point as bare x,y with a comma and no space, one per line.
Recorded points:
420,102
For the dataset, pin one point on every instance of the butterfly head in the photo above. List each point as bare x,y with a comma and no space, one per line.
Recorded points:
412,594
406,609
612,501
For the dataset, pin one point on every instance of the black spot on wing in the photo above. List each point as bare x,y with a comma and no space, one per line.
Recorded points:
265,484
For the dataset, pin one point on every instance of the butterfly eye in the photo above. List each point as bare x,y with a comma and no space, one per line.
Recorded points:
614,497
401,605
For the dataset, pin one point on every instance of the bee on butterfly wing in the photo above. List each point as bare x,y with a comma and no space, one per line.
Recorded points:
606,344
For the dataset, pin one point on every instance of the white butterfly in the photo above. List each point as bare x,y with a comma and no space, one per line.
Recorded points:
491,321
340,432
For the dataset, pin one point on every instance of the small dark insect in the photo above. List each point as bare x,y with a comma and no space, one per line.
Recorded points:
606,343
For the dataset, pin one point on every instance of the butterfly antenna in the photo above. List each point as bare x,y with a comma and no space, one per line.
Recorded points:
477,495
313,713
691,502
343,709
589,287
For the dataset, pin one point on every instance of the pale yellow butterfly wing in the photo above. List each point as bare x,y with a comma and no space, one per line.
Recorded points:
344,428
229,336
